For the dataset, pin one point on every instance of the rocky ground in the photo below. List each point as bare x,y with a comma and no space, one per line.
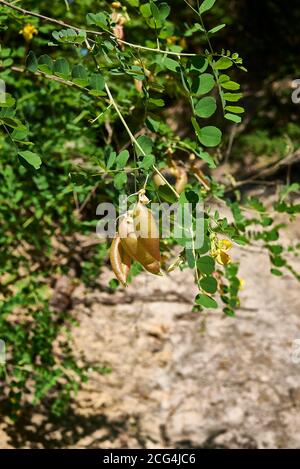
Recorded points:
181,379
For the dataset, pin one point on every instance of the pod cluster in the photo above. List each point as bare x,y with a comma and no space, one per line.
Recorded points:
137,239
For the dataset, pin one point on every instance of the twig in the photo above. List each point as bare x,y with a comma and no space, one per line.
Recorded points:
50,77
268,170
95,33
88,198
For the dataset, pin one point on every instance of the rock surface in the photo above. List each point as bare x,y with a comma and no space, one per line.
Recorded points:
182,379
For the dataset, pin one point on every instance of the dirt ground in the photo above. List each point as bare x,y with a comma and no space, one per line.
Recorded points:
182,379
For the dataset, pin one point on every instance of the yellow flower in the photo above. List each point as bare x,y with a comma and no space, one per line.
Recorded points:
172,39
28,31
224,244
219,251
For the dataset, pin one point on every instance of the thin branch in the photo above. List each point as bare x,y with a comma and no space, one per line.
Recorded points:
132,137
266,171
50,77
42,17
95,33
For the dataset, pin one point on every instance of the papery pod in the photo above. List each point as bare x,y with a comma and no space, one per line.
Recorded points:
133,246
181,180
146,229
120,260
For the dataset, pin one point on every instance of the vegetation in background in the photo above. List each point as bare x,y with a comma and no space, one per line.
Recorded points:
121,91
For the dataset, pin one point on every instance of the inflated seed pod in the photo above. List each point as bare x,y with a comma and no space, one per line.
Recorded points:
120,260
146,230
181,180
133,246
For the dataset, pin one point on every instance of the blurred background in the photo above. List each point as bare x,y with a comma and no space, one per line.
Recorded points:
139,368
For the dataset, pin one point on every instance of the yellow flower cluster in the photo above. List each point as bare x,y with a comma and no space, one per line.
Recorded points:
219,251
174,39
28,31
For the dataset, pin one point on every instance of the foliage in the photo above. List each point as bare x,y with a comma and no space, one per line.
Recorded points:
86,118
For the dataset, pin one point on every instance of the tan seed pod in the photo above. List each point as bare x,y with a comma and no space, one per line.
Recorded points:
147,230
181,180
120,260
133,246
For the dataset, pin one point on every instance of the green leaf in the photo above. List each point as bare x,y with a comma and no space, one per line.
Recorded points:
233,118
205,247
111,160
216,28
31,62
209,284
206,5
278,261
167,194
276,272
134,3
65,35
13,122
203,84
206,265
155,12
8,100
156,102
98,19
164,11
20,134
223,78
206,107
190,258
192,197
31,158
195,125
97,83
197,27
208,159
210,136
80,38
233,97
206,301
198,63
230,85
61,68
120,180
223,63
147,162
146,10
235,109
45,64
229,312
79,75
152,124
171,64
145,143
122,159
